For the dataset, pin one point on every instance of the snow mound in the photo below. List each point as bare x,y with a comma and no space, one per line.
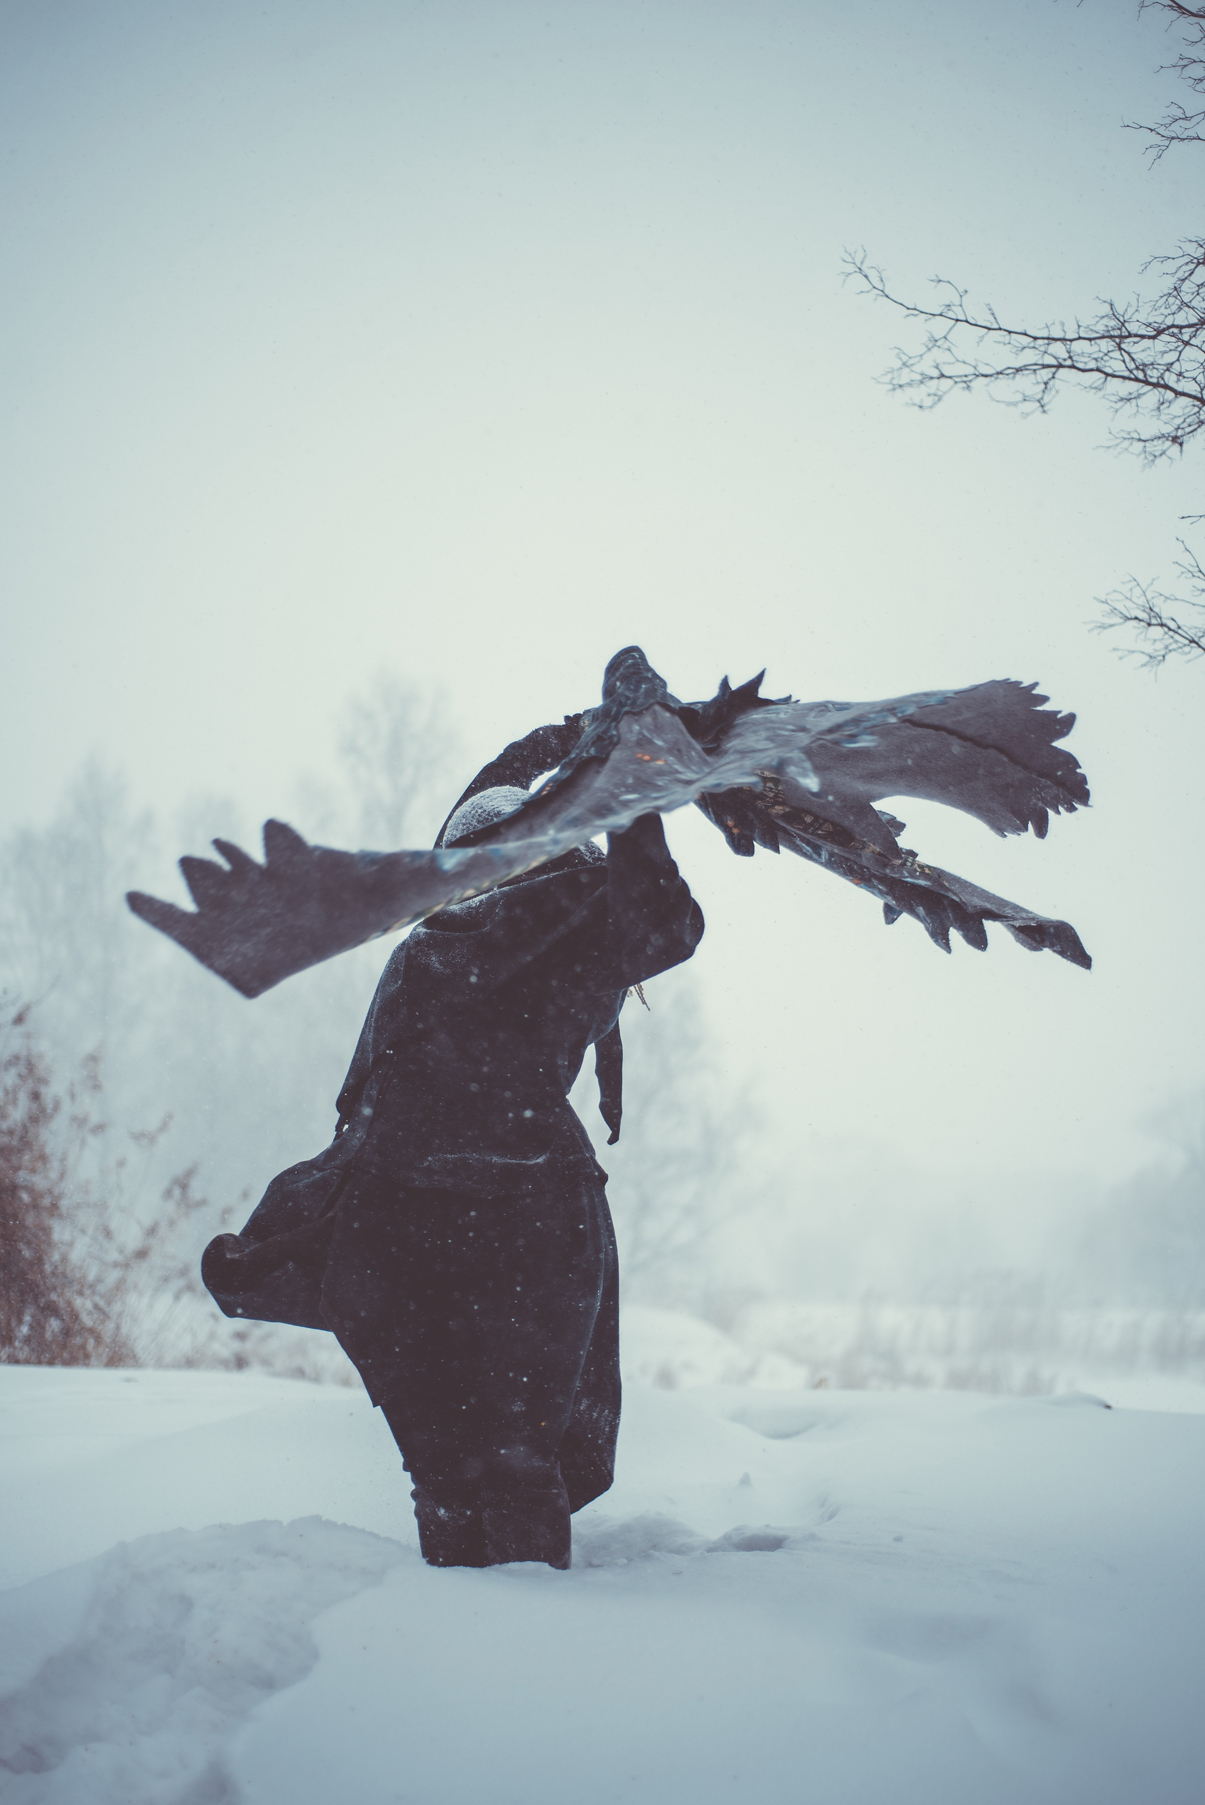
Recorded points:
600,1541
178,1637
745,1540
878,1598
673,1351
781,1418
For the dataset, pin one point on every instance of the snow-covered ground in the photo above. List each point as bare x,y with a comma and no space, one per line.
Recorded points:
872,1598
1026,1347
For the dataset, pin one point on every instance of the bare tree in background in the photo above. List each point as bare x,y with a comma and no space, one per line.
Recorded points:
64,936
397,748
682,1161
394,778
250,1087
101,980
1144,357
1145,1242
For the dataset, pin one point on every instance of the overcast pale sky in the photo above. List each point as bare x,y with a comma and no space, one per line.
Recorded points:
478,340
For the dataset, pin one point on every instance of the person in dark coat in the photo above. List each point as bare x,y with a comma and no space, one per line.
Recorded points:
456,1236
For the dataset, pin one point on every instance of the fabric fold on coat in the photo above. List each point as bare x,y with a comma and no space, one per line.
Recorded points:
460,1079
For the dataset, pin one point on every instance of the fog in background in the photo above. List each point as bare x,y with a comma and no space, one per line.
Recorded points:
398,363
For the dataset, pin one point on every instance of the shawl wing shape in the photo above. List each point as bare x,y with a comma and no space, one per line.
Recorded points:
802,775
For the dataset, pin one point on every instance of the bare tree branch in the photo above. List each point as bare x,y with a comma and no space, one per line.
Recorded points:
1144,359
1143,609
1178,125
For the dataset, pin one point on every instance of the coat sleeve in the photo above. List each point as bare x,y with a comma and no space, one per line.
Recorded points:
653,922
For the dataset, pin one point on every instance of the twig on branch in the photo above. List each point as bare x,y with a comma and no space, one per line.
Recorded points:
1178,125
1148,612
1142,358
1145,358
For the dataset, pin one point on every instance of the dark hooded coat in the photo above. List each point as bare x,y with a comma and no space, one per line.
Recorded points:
460,1196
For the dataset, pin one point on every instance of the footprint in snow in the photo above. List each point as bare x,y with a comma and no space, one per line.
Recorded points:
613,1541
178,1637
744,1540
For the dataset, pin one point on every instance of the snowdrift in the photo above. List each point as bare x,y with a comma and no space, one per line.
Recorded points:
214,1594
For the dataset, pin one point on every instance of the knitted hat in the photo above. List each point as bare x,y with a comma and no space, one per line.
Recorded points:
488,806
482,810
